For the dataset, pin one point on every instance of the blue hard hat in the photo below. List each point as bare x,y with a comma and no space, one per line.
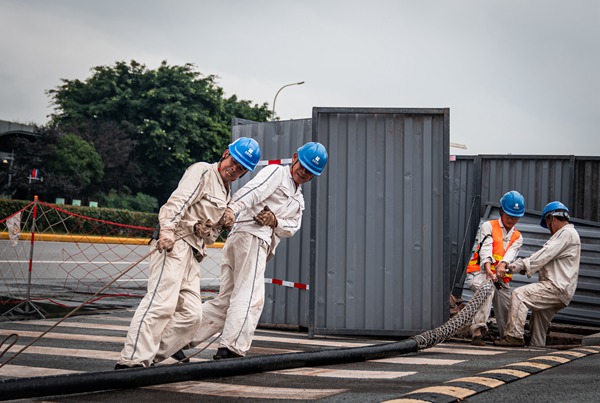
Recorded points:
551,208
246,151
313,156
513,204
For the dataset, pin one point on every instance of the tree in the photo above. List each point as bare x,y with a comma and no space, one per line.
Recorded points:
75,166
173,116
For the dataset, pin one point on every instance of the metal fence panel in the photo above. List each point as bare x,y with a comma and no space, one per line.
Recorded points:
380,222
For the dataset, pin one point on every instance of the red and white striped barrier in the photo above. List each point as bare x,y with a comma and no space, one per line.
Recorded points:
286,283
272,162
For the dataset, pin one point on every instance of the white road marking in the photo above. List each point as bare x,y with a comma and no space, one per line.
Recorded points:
247,392
82,353
343,373
419,361
19,371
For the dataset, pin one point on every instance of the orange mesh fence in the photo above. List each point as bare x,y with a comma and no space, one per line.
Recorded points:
56,256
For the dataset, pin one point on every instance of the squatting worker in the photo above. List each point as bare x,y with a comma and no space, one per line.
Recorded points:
169,313
499,245
268,208
557,265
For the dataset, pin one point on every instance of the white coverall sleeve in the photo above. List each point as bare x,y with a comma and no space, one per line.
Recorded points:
189,189
287,227
555,248
256,190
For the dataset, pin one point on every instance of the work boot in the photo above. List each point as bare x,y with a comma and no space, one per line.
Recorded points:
224,352
509,341
180,356
477,341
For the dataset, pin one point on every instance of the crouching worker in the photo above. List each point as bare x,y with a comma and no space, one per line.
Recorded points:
558,266
269,208
169,314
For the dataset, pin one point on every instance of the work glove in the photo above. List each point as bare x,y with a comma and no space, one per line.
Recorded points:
227,219
203,230
266,217
166,239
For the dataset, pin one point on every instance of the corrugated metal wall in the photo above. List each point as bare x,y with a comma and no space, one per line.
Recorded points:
586,203
380,223
283,305
378,171
585,306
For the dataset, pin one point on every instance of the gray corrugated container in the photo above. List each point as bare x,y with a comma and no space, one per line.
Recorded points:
379,222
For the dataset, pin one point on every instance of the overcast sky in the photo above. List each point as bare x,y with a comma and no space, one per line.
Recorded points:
519,76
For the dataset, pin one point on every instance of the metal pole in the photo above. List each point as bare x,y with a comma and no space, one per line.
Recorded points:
275,99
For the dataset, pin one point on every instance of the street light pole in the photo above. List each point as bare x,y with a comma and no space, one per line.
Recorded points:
275,99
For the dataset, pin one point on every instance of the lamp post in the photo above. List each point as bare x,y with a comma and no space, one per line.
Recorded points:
275,99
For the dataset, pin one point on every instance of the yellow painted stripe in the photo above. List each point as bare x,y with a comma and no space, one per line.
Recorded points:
247,392
589,350
341,373
513,372
538,365
418,361
480,380
19,371
65,336
26,236
455,391
562,360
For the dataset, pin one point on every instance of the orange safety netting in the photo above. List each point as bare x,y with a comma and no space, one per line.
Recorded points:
51,255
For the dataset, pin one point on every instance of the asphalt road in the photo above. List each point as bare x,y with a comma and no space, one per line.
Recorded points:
450,371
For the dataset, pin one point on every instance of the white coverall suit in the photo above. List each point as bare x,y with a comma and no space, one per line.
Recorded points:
499,298
558,266
170,312
237,308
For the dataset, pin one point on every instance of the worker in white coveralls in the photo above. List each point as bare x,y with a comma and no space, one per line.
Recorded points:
169,313
268,208
498,244
557,265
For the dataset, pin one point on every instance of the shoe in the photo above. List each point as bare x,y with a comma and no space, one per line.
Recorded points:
477,341
180,356
224,352
509,341
123,366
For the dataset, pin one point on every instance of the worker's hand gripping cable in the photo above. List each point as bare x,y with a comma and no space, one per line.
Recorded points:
166,245
266,217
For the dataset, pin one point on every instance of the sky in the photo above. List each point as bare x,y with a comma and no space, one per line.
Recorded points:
519,76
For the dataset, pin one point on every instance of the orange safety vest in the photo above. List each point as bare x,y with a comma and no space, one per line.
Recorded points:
498,250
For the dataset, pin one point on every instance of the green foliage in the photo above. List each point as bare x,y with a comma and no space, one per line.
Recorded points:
127,201
76,159
173,116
